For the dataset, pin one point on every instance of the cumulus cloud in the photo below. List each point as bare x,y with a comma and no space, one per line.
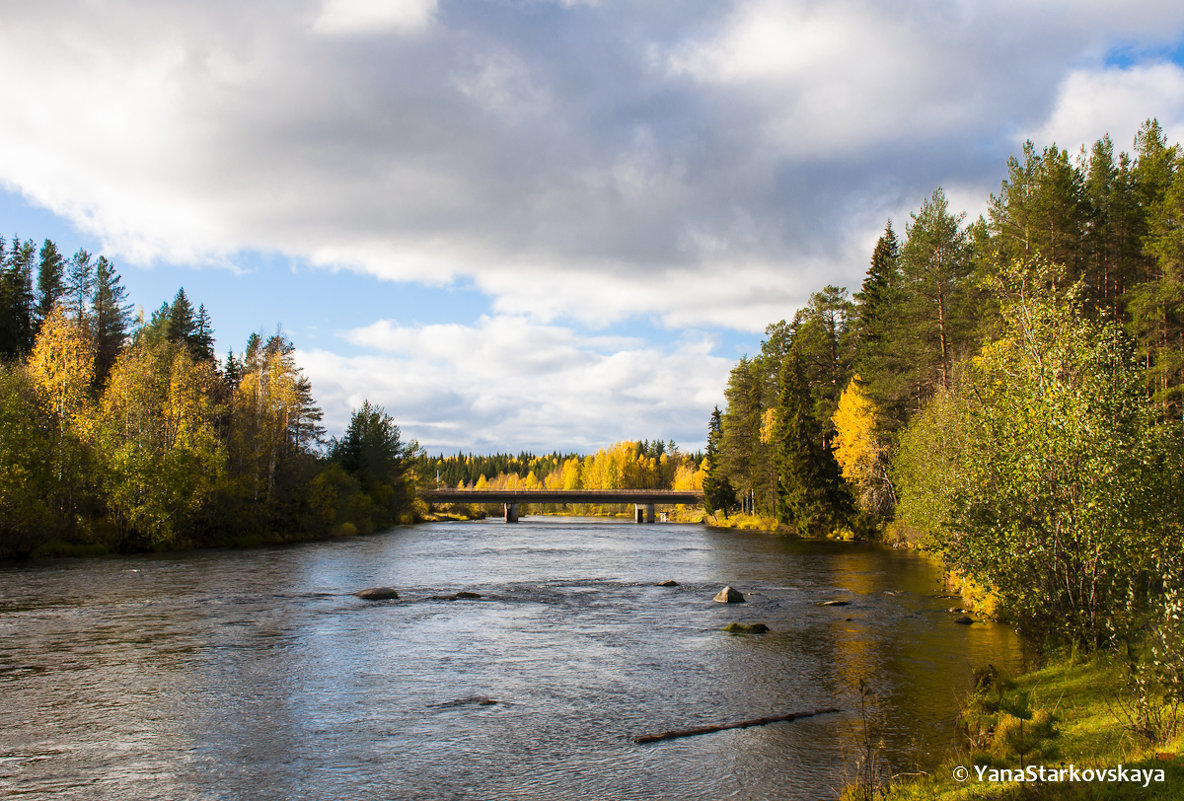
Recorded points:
506,382
581,163
371,16
601,142
1094,102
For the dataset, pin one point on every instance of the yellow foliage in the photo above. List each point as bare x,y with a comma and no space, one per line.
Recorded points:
856,445
62,365
768,425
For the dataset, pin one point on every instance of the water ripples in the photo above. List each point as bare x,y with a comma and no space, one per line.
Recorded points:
234,675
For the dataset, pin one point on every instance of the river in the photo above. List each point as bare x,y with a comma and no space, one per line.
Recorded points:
238,675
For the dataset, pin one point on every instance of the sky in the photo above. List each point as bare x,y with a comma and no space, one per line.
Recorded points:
537,224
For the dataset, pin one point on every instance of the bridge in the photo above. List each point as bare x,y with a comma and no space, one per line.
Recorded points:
644,501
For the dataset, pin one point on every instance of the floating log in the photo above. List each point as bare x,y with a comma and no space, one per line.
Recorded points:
744,724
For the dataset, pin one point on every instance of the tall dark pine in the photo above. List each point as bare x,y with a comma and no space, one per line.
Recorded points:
808,492
878,329
372,452
935,266
232,371
51,281
181,322
16,300
201,343
718,492
80,282
111,314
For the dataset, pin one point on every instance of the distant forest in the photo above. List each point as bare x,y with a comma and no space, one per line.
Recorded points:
1006,392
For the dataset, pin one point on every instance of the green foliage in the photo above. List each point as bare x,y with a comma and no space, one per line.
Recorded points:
718,493
938,295
372,454
809,496
1041,476
149,446
26,466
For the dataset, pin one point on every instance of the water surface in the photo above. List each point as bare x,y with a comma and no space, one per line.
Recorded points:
256,675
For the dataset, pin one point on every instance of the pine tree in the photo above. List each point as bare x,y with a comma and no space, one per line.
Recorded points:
111,314
878,328
201,344
718,493
16,300
181,323
51,286
807,477
79,284
935,265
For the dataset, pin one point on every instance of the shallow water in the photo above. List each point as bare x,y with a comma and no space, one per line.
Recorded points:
256,675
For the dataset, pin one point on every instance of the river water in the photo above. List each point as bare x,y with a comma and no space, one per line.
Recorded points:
257,675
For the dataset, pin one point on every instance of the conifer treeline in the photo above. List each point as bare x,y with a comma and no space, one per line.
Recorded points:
1054,323
122,435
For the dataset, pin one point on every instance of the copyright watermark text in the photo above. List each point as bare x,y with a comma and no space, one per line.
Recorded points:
1065,773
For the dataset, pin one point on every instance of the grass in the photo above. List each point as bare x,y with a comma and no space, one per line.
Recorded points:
1084,700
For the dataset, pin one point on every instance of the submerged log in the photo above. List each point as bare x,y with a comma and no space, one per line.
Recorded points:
744,724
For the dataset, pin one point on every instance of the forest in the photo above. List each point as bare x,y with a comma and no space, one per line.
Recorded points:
121,434
1005,393
642,464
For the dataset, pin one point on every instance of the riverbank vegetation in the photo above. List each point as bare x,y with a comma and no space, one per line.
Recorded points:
1008,395
1059,716
121,434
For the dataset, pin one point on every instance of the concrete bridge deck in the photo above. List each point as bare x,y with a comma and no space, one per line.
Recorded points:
644,500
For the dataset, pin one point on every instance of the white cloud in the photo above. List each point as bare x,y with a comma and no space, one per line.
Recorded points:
1094,102
509,383
577,162
369,16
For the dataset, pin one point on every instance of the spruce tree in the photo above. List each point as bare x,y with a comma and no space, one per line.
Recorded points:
79,284
111,314
201,343
718,493
181,322
807,476
51,285
879,356
16,301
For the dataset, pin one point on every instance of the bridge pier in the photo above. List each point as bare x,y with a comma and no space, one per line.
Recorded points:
643,513
511,513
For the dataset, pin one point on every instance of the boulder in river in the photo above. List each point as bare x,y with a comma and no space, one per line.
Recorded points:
833,603
472,700
667,583
745,628
377,594
458,596
729,596
963,621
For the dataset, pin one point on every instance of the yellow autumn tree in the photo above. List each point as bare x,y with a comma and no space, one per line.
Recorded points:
160,443
62,370
859,450
62,366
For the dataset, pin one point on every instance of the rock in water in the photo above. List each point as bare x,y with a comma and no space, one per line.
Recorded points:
461,596
667,583
377,594
745,628
729,596
963,621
